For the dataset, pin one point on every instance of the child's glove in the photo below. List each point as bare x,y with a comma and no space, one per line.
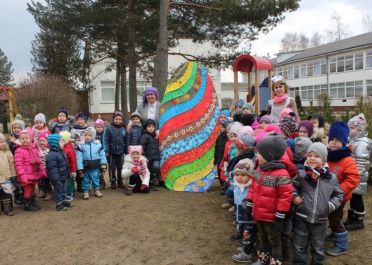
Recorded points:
135,170
143,188
247,206
80,173
278,221
103,169
73,175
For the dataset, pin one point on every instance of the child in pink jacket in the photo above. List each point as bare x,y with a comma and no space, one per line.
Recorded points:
29,168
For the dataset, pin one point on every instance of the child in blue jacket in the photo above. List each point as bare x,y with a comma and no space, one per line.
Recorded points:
58,171
91,161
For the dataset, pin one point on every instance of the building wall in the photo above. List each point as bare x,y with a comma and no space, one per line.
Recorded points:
355,82
101,97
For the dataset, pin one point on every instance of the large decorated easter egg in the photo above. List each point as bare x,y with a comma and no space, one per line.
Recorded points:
188,129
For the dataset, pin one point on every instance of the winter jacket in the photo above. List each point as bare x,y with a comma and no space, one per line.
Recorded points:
90,151
57,166
150,146
99,137
271,191
143,109
347,174
220,148
134,136
129,164
28,164
59,127
240,194
319,198
361,147
276,108
70,153
7,169
38,132
225,161
115,140
43,155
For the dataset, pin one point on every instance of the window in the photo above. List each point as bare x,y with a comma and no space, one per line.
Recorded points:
324,89
304,92
316,68
340,64
333,91
350,91
285,72
358,89
369,59
303,70
332,65
316,91
349,63
358,61
294,91
341,90
310,92
290,73
323,67
107,91
296,71
369,87
310,69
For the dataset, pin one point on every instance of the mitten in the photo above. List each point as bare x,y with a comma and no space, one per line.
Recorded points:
278,221
135,170
103,169
143,188
80,173
73,175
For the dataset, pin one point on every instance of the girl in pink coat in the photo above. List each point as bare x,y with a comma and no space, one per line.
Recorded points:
29,168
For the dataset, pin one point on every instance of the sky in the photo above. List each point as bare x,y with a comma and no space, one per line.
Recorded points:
18,28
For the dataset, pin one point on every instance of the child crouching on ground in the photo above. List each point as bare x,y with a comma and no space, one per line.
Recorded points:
316,194
58,171
243,173
270,198
91,160
135,171
7,171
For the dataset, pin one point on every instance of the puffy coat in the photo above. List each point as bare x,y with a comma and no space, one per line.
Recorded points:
126,172
347,174
220,148
28,164
38,132
57,165
225,160
77,135
134,136
271,193
150,146
361,147
69,150
59,127
115,140
319,198
7,169
88,152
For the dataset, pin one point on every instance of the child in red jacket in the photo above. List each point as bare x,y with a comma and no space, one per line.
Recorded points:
270,197
69,150
344,167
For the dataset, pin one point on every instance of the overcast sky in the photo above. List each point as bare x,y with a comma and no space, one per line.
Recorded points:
17,27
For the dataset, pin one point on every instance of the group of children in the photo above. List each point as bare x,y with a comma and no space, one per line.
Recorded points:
284,181
66,155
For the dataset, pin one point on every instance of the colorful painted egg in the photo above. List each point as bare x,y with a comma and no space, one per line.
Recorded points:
188,129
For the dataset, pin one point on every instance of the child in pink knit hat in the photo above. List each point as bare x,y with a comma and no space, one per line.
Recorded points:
100,128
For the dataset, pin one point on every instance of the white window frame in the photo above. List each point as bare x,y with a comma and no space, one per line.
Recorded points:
104,86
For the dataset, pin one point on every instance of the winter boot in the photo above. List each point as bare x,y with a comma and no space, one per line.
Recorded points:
68,204
113,185
98,193
18,196
340,244
102,182
34,203
129,190
8,208
120,183
28,206
61,207
263,259
357,221
86,196
242,257
350,215
275,261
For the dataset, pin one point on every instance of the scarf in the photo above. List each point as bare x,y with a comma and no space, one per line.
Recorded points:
275,164
280,99
313,174
336,155
141,167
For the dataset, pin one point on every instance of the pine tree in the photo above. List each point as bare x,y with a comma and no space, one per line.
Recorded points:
6,70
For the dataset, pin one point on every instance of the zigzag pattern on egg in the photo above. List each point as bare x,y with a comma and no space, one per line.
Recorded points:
188,129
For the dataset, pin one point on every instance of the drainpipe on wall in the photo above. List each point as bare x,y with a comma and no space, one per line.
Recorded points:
327,72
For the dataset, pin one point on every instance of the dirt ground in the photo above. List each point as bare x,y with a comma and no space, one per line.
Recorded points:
161,227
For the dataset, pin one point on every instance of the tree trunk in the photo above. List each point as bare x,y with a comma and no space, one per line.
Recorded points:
132,58
123,91
160,73
117,83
